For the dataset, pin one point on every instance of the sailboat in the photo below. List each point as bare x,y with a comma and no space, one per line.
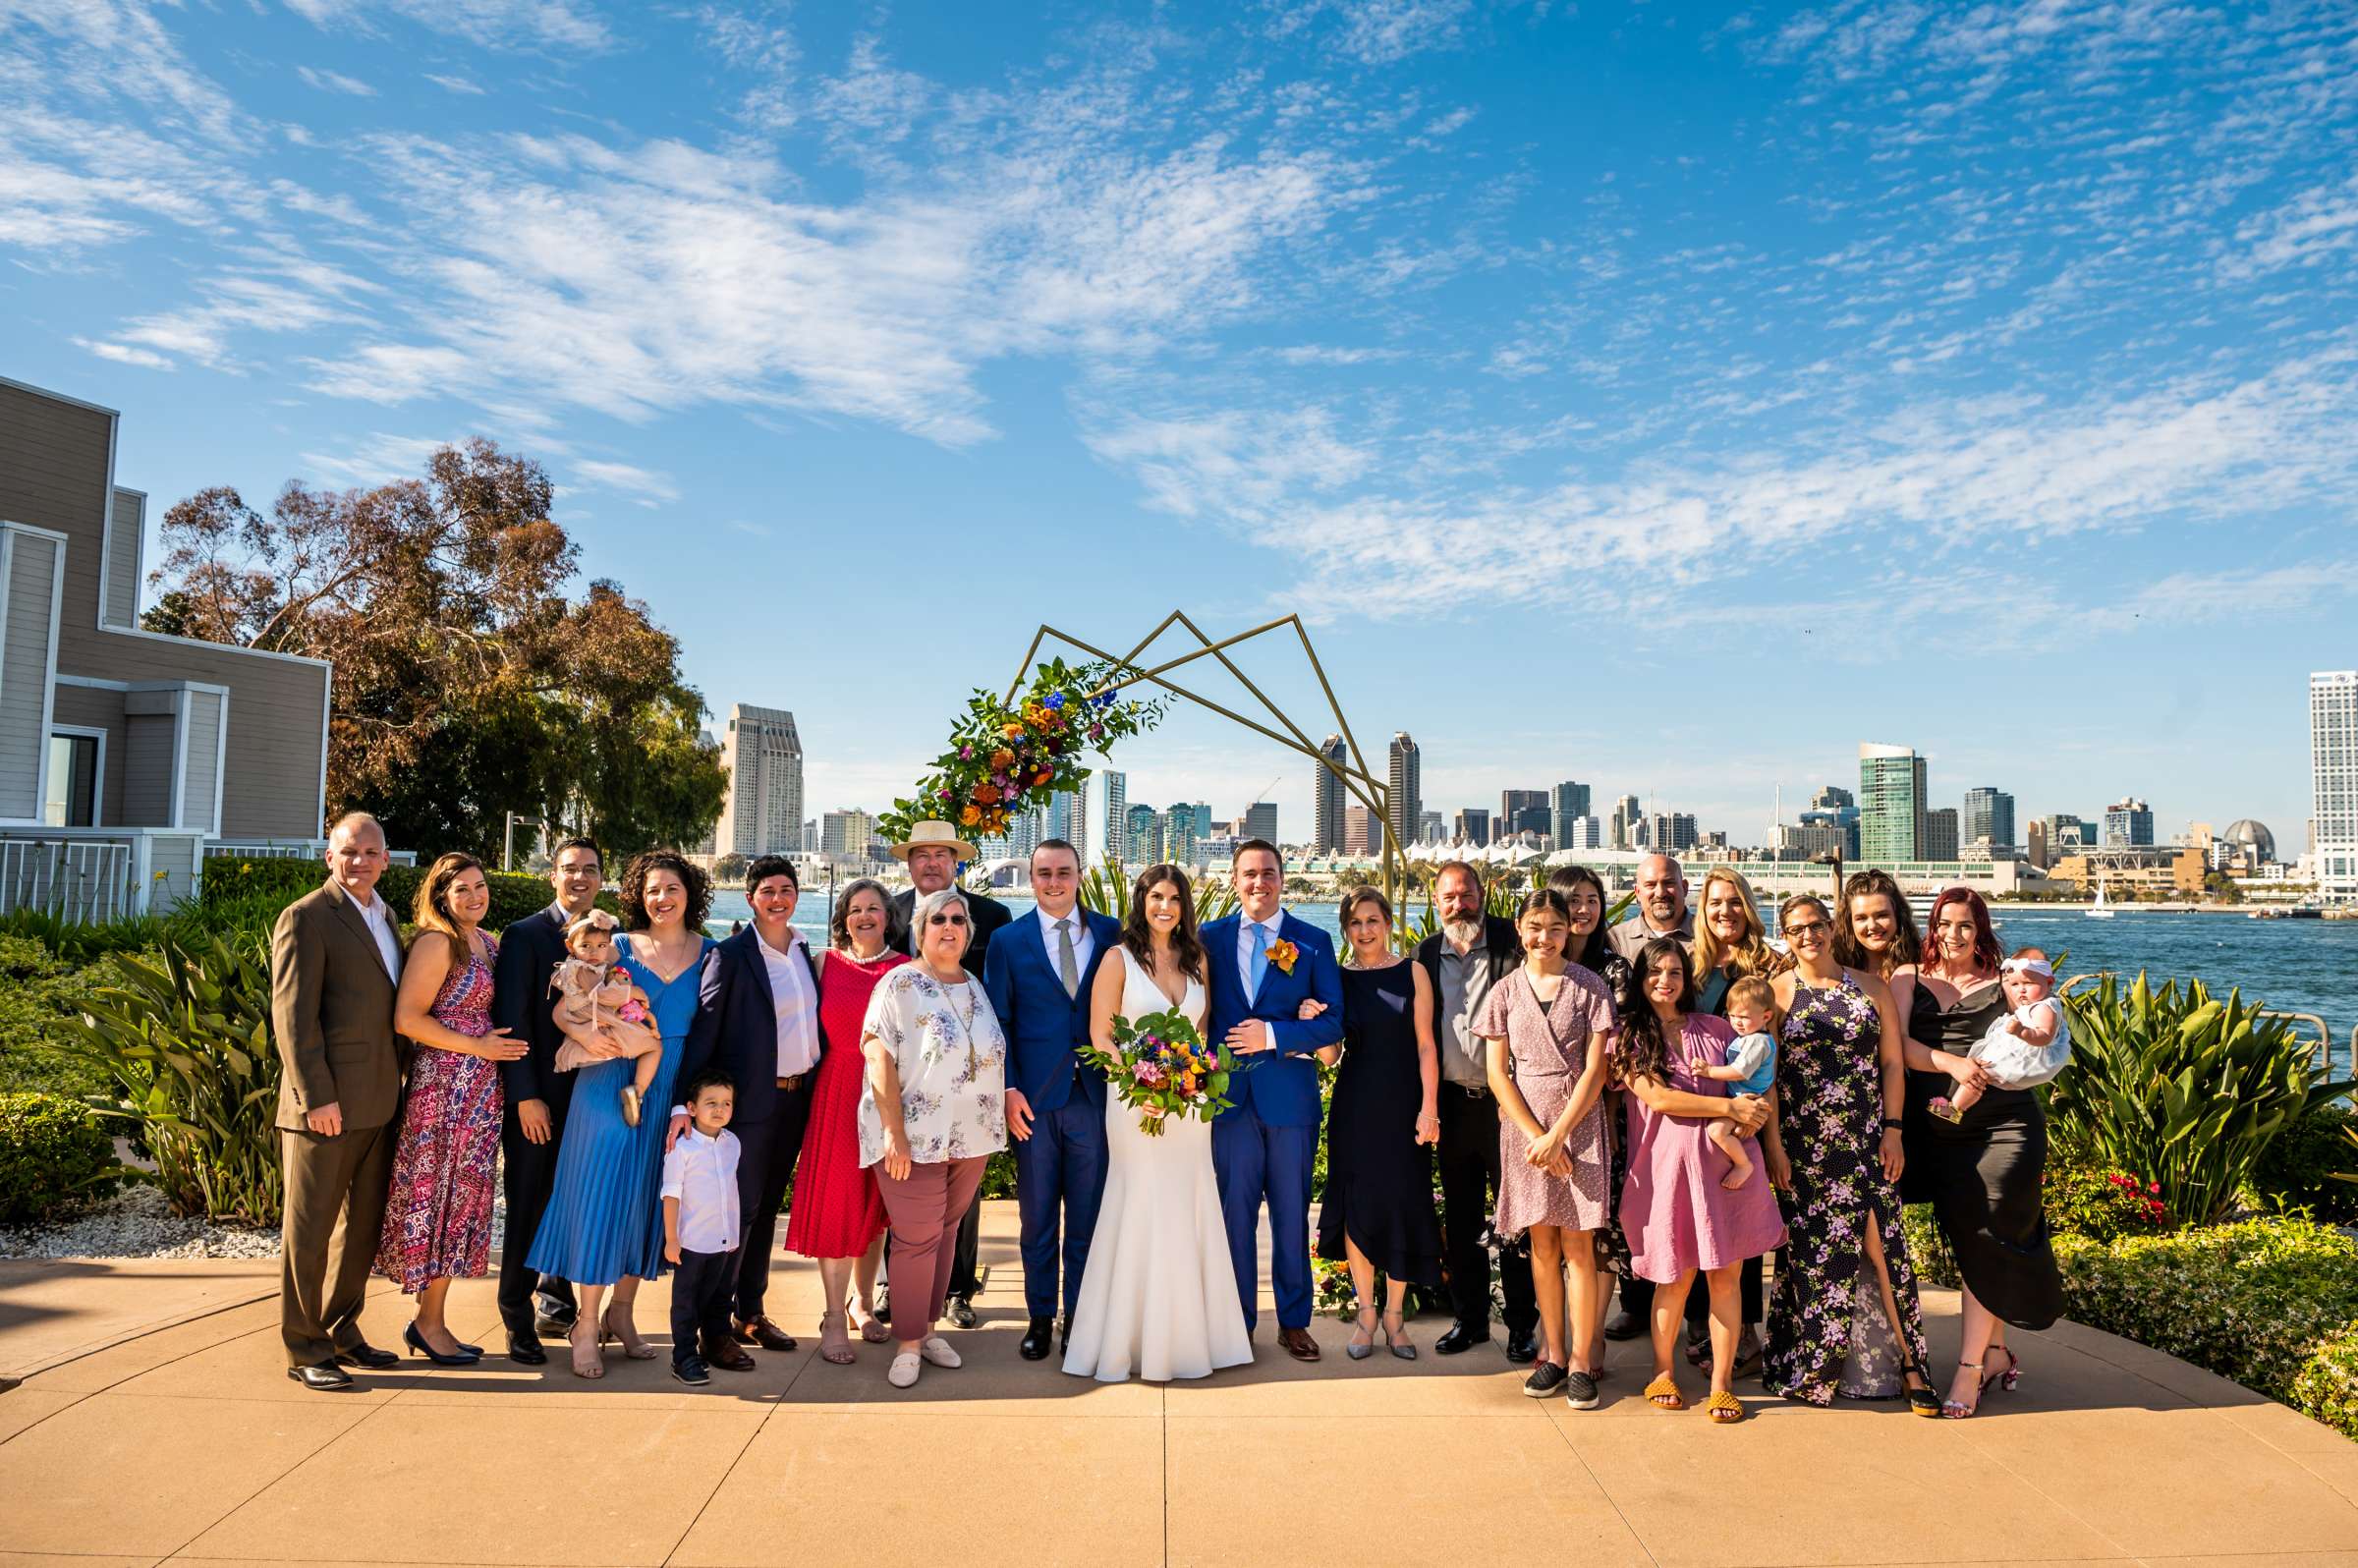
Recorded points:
2100,910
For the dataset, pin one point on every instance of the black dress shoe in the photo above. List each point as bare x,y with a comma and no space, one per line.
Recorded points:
1524,1348
764,1333
1460,1338
1036,1345
1624,1324
327,1378
366,1355
729,1356
527,1349
1064,1334
418,1345
962,1312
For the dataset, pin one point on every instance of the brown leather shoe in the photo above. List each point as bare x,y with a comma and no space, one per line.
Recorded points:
764,1333
1298,1343
729,1356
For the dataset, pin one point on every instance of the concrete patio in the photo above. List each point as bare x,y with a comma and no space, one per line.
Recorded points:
154,1424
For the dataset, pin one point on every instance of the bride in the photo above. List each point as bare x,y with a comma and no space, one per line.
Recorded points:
1158,1296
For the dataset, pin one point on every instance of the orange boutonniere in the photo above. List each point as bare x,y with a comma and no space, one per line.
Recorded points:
1283,953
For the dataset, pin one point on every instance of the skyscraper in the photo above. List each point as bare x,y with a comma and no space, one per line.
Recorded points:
2128,823
1571,804
1989,814
1144,836
1358,830
1512,806
1429,829
1181,829
1890,804
764,812
1407,788
1473,826
1939,840
1261,820
1066,816
2334,781
1113,810
1830,826
1579,833
1621,828
845,835
1327,799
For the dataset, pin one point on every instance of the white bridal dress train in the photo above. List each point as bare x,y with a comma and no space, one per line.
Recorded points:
1158,1298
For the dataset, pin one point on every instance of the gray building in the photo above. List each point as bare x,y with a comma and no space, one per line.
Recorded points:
2334,781
2128,824
1939,840
1328,797
1407,783
764,811
1473,826
1570,805
1261,820
1989,814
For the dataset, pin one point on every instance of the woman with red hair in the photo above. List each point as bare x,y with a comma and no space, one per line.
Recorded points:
1984,1174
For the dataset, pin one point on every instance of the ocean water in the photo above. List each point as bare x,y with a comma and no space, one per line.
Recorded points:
2294,965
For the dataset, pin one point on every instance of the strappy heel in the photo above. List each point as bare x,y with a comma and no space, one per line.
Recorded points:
595,1365
1955,1410
872,1329
1359,1349
632,1344
834,1339
1394,1339
2008,1378
1723,1407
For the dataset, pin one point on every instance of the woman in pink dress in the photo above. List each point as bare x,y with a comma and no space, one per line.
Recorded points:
1679,1220
438,1210
838,1213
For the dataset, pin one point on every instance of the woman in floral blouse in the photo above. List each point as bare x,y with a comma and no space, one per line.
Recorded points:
933,1113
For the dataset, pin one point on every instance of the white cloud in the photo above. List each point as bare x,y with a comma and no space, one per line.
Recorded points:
377,458
624,477
125,354
1374,32
334,82
492,23
458,84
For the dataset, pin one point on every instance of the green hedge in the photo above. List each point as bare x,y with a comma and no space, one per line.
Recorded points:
2297,1172
52,1151
249,885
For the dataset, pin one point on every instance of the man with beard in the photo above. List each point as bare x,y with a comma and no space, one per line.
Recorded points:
1661,911
1471,953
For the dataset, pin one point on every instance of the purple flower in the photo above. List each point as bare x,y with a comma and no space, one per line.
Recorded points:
966,754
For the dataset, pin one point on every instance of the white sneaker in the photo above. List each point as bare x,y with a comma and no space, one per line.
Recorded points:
936,1350
903,1373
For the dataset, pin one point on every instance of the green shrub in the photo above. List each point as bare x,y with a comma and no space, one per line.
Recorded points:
1928,1251
2326,1385
2300,1171
2181,1089
75,942
185,1039
2086,1198
39,994
235,891
52,1151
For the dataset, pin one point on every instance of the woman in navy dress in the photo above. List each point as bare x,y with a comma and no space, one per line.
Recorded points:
605,1225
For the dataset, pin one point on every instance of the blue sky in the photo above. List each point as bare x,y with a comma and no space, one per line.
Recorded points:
1667,397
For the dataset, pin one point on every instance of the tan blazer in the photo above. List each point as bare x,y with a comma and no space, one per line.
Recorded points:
331,1010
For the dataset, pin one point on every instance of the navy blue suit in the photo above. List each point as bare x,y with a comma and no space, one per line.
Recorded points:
1063,1163
1264,1145
736,1029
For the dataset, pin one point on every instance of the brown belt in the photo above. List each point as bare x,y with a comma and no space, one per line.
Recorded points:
796,1081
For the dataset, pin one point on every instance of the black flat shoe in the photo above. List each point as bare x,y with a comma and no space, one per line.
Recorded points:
366,1355
1036,1341
327,1378
1624,1324
1460,1338
962,1312
1524,1348
527,1349
1544,1380
416,1343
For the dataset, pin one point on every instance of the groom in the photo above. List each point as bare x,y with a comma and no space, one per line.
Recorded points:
1038,975
1264,963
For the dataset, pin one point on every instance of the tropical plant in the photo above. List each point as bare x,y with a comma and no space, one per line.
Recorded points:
51,1153
185,1038
1107,892
2183,1088
80,942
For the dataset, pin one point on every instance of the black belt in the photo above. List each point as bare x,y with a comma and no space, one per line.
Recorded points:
1473,1091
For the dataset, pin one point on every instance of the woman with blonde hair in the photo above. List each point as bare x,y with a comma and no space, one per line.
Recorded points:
438,1211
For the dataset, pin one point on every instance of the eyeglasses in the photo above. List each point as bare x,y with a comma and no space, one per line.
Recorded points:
947,919
1807,930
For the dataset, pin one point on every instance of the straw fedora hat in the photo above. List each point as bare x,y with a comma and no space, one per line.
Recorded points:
931,831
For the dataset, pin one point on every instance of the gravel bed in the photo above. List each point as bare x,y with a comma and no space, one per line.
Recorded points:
138,1223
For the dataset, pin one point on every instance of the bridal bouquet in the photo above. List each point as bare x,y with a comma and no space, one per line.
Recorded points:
1161,1063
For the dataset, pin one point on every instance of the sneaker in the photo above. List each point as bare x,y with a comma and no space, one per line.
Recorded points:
693,1371
1581,1389
1544,1380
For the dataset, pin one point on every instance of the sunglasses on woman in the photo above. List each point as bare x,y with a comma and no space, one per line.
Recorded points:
946,919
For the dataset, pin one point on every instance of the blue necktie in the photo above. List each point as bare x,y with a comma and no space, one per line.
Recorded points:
1261,956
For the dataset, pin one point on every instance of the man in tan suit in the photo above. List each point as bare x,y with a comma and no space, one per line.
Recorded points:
335,961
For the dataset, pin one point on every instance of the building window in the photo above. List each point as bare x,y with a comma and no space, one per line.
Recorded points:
73,782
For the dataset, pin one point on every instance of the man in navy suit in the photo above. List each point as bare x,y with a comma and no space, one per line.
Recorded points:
1264,1146
1038,973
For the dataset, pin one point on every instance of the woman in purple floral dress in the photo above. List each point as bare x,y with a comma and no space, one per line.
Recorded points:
1844,1318
438,1211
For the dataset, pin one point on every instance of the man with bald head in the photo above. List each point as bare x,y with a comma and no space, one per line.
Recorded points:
335,962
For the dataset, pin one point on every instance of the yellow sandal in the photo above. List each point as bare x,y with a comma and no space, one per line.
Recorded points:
1663,1392
1723,1407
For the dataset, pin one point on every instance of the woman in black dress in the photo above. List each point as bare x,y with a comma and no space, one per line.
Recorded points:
1985,1176
1375,1212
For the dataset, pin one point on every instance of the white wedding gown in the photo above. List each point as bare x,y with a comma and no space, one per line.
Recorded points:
1159,1297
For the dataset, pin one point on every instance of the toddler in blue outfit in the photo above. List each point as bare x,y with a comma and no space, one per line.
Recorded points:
1749,1068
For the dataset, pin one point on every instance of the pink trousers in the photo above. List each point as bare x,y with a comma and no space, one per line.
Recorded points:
925,1212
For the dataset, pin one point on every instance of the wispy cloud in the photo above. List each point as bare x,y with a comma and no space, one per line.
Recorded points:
492,23
458,84
627,477
334,82
126,354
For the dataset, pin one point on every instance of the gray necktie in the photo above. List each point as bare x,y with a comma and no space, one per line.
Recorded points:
1065,962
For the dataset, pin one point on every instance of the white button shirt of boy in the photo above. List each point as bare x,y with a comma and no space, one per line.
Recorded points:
701,1173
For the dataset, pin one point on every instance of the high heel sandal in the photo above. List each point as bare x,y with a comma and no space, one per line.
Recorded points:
872,1329
595,1366
1361,1349
633,1346
1724,1408
2011,1377
834,1342
1954,1410
1393,1328
1921,1401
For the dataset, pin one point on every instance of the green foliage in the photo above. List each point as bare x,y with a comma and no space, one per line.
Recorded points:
2087,1199
2182,1088
184,1038
2326,1385
1108,893
234,890
52,1151
2303,1171
1928,1251
76,942
40,993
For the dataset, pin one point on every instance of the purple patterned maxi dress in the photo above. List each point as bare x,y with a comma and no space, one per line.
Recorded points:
1826,1329
438,1211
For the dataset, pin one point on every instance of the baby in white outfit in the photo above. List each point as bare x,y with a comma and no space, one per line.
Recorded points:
2025,1047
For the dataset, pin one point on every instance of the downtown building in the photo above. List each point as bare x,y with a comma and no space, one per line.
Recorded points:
1989,818
1891,810
764,811
1407,783
2128,824
1570,805
1329,799
2333,782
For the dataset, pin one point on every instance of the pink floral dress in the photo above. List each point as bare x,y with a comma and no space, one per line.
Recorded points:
438,1211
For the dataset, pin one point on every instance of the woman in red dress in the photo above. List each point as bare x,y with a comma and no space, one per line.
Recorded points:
837,1214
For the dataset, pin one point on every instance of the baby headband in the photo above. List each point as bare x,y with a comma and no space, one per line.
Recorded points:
2028,966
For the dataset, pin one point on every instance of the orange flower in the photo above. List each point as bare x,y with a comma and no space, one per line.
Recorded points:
969,815
1283,953
986,793
1013,732
1002,760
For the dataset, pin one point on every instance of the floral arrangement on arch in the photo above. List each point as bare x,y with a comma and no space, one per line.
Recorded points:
1005,758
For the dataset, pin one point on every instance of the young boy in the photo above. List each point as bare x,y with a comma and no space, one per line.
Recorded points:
701,1228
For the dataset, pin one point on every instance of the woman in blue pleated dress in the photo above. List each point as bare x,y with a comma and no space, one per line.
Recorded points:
604,1223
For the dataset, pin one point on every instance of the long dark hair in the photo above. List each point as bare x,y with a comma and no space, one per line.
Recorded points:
1185,947
1644,1049
1905,942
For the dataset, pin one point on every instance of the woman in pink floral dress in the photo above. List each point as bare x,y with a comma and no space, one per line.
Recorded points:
438,1211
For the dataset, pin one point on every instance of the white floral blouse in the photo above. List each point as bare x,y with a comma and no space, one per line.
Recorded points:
953,1064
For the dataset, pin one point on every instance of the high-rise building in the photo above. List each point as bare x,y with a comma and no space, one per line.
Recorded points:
1579,833
1359,831
1667,832
1830,826
1144,836
1067,817
1891,805
764,811
1989,814
1512,806
846,835
1473,826
1113,812
1571,804
1939,840
2334,781
1327,799
1429,829
1182,832
1407,788
1621,827
2128,824
2034,844
1261,820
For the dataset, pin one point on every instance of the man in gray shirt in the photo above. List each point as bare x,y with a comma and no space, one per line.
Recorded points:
1471,953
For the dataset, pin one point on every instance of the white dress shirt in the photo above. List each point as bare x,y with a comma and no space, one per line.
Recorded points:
379,920
1083,944
797,1001
701,1173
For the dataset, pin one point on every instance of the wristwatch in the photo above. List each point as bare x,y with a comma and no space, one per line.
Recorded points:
1893,1124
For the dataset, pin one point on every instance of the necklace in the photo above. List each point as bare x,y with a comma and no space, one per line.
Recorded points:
966,1020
